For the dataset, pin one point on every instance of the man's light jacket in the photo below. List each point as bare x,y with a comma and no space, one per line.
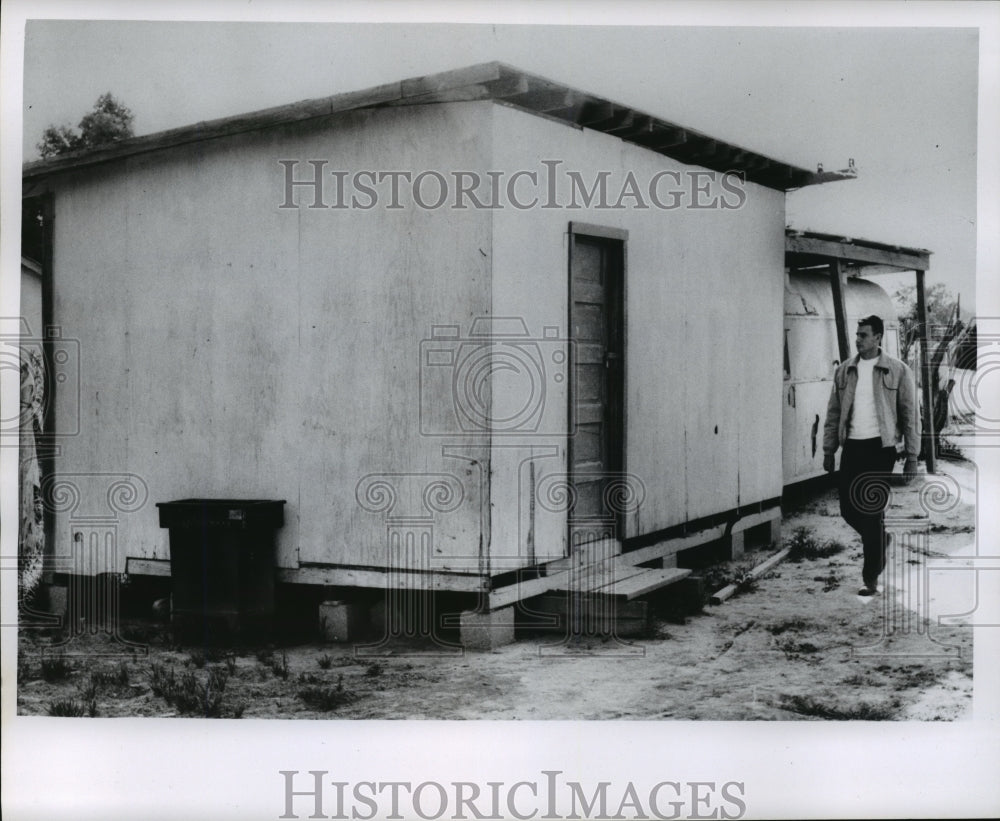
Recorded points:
896,406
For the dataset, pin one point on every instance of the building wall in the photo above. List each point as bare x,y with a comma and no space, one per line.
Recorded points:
232,348
703,336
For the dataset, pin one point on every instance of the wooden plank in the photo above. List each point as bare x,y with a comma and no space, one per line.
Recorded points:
839,286
754,519
645,583
589,353
589,229
597,577
903,259
588,292
507,595
589,414
759,570
542,100
595,111
625,122
467,93
668,140
403,580
928,401
147,567
455,78
671,546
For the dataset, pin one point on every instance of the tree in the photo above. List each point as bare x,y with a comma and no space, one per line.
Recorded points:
107,122
943,325
941,308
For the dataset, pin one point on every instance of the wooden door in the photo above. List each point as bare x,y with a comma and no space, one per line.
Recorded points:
597,327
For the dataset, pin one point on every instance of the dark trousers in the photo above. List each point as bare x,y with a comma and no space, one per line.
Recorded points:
865,467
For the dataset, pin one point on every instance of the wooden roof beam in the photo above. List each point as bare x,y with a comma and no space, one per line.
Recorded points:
904,260
543,100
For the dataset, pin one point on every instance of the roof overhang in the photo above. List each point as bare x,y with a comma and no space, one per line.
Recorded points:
809,249
487,81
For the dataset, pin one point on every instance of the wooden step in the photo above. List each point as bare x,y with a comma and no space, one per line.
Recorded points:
652,579
625,582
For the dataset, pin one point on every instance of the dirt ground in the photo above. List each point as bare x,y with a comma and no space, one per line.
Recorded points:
798,644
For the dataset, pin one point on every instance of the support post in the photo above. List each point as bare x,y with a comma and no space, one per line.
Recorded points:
926,378
838,282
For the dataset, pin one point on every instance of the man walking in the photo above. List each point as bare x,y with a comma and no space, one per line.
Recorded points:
872,405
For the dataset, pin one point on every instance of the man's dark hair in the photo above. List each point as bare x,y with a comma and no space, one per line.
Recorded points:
875,323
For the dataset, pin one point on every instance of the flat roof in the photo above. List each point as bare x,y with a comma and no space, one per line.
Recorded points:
486,81
812,249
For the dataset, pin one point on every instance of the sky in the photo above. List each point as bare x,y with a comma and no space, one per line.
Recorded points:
900,102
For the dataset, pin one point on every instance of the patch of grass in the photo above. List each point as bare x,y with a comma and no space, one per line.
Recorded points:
189,694
744,579
197,658
715,579
327,698
811,706
194,697
793,648
118,677
789,624
55,668
161,679
69,708
277,665
805,547
24,671
325,661
374,670
939,528
914,676
88,691
830,582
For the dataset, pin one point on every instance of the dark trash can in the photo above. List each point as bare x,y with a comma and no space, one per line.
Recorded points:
222,566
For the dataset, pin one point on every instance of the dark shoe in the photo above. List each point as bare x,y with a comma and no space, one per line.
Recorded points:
868,590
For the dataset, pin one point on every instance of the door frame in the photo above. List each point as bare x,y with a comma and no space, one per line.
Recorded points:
594,231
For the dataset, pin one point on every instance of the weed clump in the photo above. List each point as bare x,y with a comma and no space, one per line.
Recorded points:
278,666
813,707
805,547
55,668
326,698
69,708
118,677
189,694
